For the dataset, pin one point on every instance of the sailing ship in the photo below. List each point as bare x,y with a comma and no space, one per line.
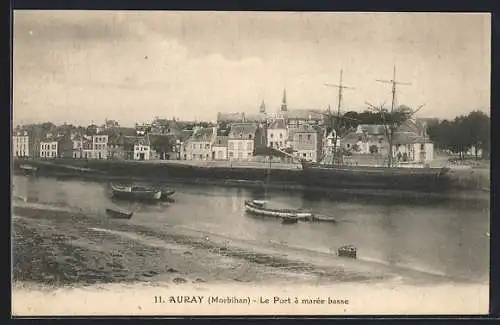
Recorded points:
334,174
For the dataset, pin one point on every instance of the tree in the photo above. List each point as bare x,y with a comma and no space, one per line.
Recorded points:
162,144
462,133
477,127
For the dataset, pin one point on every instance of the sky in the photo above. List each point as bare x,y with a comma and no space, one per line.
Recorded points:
85,66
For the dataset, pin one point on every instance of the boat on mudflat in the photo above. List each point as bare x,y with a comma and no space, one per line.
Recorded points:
136,193
115,214
260,208
166,194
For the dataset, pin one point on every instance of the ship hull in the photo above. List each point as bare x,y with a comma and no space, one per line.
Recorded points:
382,178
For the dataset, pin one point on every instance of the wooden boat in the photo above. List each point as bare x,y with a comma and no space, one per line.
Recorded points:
136,193
115,214
289,221
260,208
347,251
166,194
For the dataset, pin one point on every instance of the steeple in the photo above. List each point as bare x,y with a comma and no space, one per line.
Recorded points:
262,108
283,102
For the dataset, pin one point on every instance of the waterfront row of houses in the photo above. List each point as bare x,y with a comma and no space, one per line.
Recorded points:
236,136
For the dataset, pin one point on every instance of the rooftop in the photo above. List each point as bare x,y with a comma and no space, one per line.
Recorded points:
277,124
239,130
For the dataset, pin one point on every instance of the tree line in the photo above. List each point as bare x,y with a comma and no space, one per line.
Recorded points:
462,134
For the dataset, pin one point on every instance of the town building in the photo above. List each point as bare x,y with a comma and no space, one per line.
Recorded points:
243,139
56,147
199,145
21,144
307,143
277,134
142,148
116,148
100,144
88,147
219,148
77,146
410,144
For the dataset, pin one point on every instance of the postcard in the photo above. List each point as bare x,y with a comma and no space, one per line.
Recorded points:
180,163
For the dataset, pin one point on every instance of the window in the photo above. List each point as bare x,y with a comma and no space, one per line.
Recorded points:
308,137
240,155
201,145
250,136
240,145
272,135
249,154
422,147
281,136
231,154
207,146
194,146
249,146
300,137
54,146
231,145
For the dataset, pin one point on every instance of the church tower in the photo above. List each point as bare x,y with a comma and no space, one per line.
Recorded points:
262,108
283,102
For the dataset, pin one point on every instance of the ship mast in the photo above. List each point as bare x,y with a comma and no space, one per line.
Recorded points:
390,129
340,87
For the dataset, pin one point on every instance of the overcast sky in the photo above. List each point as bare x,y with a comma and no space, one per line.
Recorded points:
84,66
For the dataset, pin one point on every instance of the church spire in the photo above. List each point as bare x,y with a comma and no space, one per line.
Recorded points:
262,108
283,102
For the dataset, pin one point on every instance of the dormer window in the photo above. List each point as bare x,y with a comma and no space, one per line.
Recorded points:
250,136
241,135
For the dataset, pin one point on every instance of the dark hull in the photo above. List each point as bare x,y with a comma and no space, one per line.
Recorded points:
136,195
420,179
312,176
166,195
118,215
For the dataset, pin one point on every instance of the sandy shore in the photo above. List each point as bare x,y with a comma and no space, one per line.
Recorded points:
58,252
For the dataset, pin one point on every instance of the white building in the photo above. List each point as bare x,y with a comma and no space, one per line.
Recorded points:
20,144
100,146
241,141
277,134
142,148
219,148
49,148
199,145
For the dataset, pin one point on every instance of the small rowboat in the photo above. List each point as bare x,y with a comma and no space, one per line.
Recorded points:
260,208
118,214
166,194
136,193
347,251
289,221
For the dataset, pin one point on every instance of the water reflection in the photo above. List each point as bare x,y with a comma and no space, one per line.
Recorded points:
438,238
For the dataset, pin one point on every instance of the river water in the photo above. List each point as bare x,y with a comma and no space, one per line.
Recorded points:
447,238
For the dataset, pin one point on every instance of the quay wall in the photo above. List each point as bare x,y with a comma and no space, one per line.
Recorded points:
254,174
